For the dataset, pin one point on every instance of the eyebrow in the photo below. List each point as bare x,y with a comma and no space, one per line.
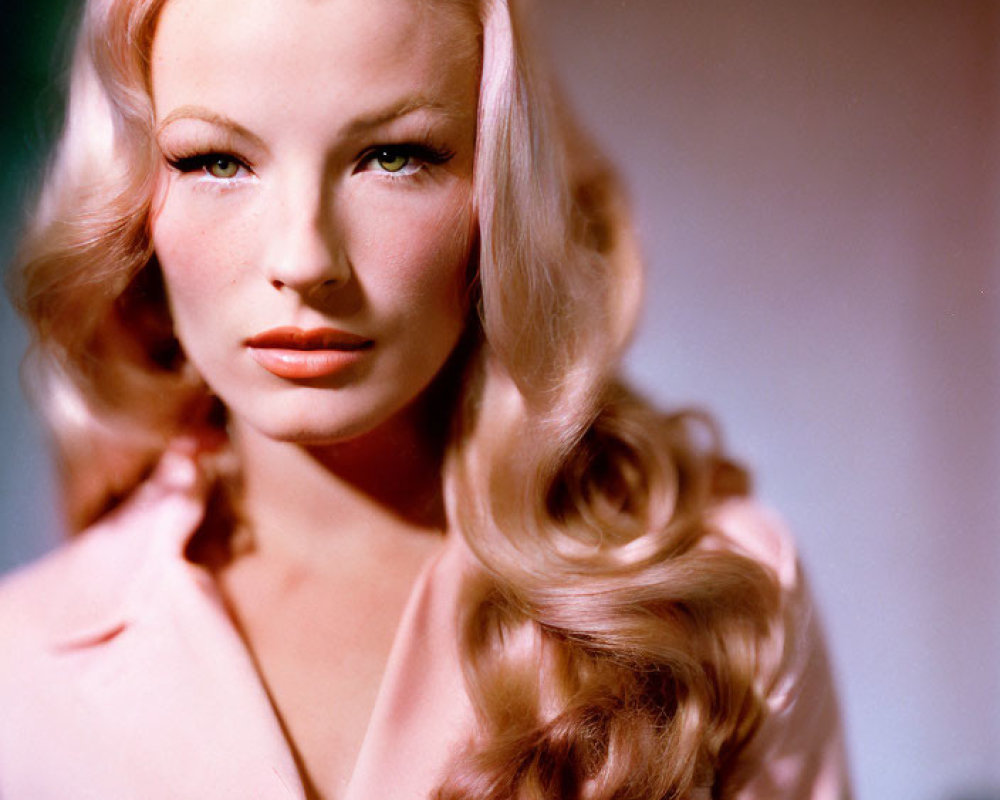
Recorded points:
356,127
207,115
403,108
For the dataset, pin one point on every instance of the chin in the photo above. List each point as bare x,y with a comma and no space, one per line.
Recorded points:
311,431
316,423
318,416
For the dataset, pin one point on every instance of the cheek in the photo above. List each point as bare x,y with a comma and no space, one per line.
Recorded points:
198,253
420,259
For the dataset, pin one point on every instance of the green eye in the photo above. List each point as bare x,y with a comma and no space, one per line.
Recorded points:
222,167
392,160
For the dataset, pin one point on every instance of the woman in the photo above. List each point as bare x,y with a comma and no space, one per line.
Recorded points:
328,300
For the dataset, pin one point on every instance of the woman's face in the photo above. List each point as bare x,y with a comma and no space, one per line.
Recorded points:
315,223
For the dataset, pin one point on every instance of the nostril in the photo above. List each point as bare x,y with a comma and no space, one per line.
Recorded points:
277,284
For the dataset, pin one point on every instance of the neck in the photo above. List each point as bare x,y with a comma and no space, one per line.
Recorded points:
308,502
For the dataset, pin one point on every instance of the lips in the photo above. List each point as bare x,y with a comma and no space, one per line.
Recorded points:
289,338
296,354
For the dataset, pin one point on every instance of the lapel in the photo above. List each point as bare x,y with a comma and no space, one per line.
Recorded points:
165,699
422,716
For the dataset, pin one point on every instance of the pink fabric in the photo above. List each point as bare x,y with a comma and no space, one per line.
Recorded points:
121,676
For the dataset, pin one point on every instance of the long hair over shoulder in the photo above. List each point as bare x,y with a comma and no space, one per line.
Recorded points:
609,651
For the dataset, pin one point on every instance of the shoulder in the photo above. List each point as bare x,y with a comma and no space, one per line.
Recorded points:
38,599
745,527
749,528
58,617
799,751
77,588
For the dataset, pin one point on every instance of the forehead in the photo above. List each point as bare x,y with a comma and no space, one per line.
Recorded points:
310,51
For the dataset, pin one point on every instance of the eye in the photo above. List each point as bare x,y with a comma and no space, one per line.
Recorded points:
392,160
218,166
222,167
401,160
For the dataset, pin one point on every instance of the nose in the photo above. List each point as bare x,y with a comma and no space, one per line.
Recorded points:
306,253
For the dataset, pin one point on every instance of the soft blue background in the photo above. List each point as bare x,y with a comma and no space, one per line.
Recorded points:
816,187
29,77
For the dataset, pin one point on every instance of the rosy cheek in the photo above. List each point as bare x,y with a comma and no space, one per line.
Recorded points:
197,250
427,280
425,245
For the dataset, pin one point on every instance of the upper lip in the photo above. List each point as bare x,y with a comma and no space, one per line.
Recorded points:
292,338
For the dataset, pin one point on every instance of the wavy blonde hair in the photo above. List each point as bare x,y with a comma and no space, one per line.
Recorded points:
608,653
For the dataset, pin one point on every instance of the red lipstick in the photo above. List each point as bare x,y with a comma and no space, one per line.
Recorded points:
297,354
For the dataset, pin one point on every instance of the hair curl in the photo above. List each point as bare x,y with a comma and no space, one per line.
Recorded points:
607,651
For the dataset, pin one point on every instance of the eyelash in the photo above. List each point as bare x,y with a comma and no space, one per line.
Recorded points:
422,154
200,162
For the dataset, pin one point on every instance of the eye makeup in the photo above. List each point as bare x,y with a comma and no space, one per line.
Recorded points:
402,159
221,166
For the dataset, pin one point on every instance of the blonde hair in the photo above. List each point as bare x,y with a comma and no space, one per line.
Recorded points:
608,653
104,367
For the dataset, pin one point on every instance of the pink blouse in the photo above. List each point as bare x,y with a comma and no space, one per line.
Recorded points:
122,675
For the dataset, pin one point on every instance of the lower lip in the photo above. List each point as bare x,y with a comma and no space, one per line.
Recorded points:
301,364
